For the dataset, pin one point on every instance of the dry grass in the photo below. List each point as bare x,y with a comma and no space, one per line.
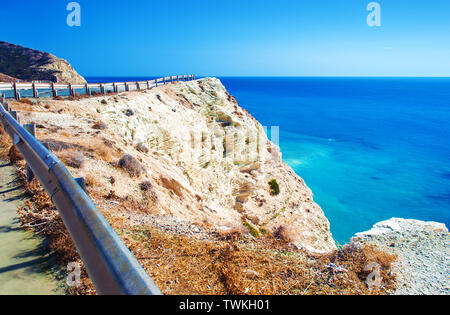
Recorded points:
91,180
27,101
182,265
72,158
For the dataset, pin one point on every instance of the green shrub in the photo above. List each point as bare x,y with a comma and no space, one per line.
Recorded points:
274,187
253,231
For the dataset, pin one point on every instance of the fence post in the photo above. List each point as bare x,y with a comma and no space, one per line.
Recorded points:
88,90
35,91
54,91
16,92
3,98
31,129
15,115
127,88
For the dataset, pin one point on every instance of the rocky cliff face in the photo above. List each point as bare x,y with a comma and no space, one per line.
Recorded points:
31,65
208,159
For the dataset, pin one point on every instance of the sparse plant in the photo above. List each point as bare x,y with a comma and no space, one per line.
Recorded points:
146,186
142,148
100,125
253,231
131,165
274,187
73,159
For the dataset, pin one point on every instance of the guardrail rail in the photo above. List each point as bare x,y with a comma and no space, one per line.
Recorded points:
18,90
111,266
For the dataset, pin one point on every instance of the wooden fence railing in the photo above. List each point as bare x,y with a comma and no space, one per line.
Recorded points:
19,90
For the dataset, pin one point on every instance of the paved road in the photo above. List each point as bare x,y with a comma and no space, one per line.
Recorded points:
24,266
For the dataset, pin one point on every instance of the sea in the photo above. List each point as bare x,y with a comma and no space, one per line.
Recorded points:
369,148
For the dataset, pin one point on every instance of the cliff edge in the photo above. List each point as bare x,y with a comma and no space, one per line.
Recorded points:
32,65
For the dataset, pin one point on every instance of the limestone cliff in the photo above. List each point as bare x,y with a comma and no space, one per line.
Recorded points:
204,158
32,65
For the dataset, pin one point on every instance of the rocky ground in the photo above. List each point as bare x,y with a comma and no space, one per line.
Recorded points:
423,263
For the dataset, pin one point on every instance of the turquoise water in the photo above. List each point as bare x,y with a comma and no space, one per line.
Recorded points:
369,148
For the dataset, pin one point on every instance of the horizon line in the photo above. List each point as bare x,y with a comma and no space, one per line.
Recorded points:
279,76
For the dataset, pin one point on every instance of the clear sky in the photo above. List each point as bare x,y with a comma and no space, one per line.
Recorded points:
237,37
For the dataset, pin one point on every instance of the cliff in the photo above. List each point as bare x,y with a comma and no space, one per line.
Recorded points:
185,150
32,65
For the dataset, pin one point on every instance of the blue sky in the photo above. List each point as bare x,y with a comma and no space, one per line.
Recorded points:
237,37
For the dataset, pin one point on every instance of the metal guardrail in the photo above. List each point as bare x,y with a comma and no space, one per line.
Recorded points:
111,266
35,88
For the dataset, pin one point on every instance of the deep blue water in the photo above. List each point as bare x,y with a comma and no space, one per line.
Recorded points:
369,148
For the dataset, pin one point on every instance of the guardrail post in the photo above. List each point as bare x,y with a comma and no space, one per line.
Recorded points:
138,86
114,88
127,88
35,91
15,115
31,129
54,91
3,98
102,88
16,93
88,90
156,82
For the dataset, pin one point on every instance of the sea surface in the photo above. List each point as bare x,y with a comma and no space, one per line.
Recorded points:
369,148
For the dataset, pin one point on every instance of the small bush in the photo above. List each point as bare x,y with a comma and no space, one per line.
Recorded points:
253,231
73,159
129,113
233,234
100,125
58,98
146,186
142,148
104,102
274,187
131,165
91,181
286,233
